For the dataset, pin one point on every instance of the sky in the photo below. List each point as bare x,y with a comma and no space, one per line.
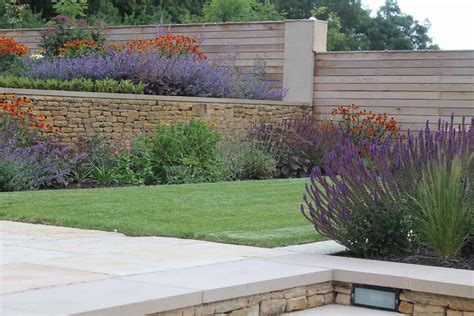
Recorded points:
452,21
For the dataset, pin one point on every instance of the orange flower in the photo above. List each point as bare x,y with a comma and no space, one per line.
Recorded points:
21,109
172,45
9,46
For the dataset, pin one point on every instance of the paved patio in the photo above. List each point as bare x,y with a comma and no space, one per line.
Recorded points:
57,270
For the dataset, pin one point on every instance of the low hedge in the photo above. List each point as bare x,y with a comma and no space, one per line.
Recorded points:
79,84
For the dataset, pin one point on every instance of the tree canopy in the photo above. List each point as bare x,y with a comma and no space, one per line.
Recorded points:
351,25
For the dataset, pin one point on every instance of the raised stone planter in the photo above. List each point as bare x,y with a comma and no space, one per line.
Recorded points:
115,116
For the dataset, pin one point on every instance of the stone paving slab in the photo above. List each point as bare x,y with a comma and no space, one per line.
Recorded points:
58,270
18,277
107,297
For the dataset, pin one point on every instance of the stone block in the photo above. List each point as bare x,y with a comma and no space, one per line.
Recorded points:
60,123
296,303
425,310
452,312
329,298
230,305
315,300
405,307
345,288
132,116
321,288
296,292
248,311
272,307
343,299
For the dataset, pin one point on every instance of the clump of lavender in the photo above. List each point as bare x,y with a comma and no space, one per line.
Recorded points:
371,211
185,75
42,163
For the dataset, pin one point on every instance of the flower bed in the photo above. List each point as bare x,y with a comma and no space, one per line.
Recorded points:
167,65
410,200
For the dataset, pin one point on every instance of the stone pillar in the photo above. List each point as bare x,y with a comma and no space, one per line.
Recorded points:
302,39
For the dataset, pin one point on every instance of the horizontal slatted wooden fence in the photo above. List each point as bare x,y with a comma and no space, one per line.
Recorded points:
245,42
411,86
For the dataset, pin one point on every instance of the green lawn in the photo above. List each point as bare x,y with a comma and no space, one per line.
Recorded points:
260,213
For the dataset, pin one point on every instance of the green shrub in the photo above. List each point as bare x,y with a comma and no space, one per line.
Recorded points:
246,159
76,84
186,153
10,63
134,162
443,206
63,30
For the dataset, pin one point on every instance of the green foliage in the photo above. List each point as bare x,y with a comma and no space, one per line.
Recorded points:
246,159
63,30
77,84
10,63
379,232
443,206
70,8
14,14
337,40
395,30
186,153
134,162
239,10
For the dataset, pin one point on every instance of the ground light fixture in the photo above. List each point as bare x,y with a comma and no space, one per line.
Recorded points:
375,297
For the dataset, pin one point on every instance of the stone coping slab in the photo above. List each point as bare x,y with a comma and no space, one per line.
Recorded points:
125,96
437,280
58,270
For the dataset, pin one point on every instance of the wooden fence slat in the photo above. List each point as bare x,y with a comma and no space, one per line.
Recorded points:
401,103
392,87
443,63
376,95
394,79
388,55
394,71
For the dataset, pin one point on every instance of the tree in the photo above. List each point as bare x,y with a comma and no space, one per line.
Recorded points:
239,10
295,9
394,30
71,8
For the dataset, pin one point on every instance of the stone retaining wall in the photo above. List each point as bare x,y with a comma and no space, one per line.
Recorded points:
78,114
417,303
274,303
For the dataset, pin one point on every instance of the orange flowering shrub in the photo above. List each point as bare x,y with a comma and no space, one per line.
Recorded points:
362,125
9,46
79,48
170,45
11,106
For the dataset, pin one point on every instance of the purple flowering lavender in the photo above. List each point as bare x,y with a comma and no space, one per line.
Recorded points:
184,76
32,163
367,209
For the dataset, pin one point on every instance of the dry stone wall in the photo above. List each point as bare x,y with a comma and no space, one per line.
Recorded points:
77,114
267,304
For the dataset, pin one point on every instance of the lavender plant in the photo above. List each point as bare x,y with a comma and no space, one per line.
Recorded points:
185,75
27,166
371,211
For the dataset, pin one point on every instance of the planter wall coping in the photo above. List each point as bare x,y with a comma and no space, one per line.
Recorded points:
124,96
